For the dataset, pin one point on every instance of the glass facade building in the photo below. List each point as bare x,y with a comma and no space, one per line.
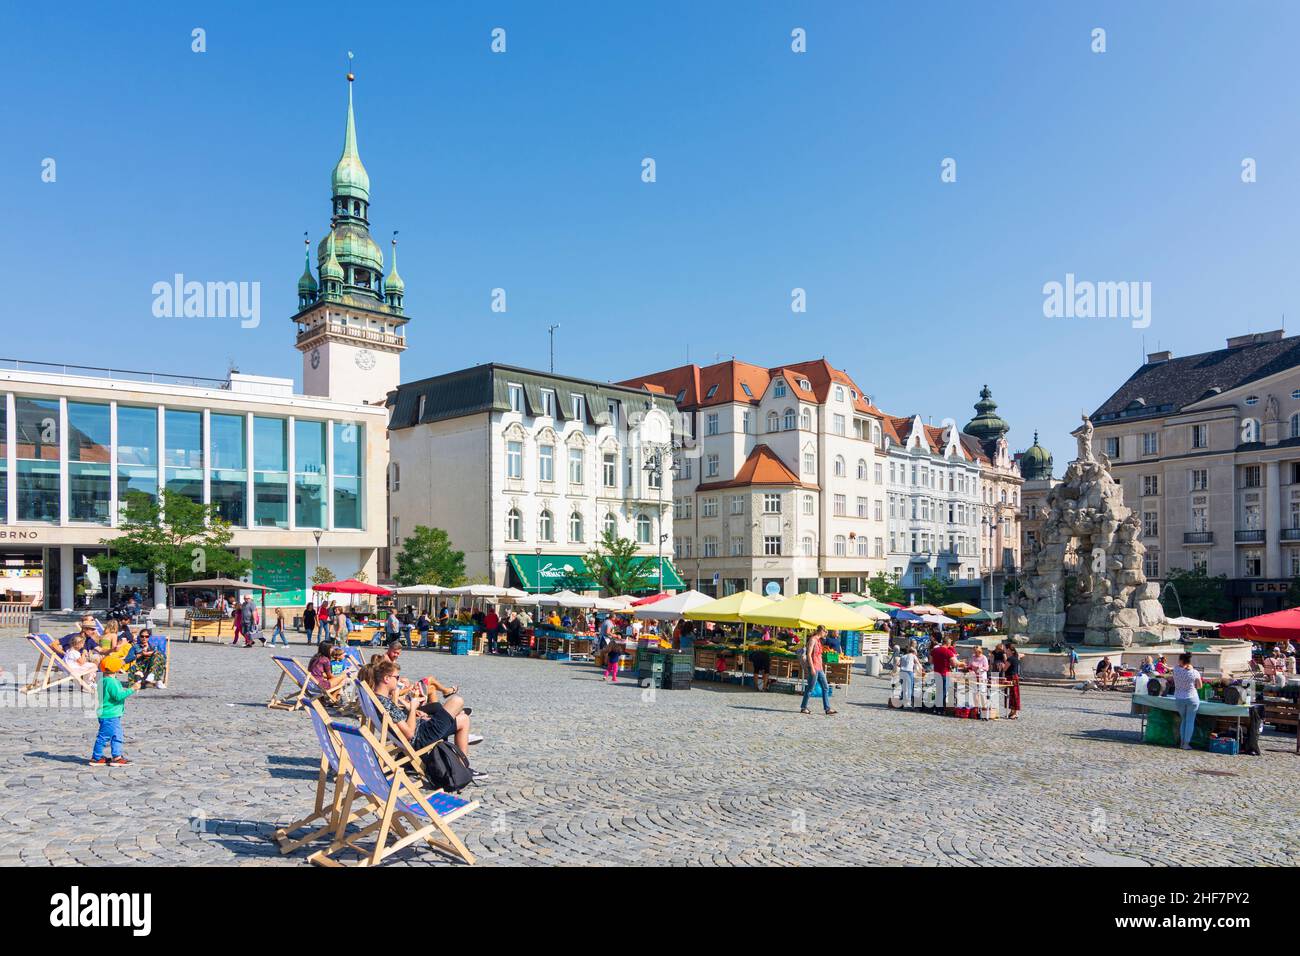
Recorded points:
66,461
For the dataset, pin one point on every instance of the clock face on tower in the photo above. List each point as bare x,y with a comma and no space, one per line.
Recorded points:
365,360
315,358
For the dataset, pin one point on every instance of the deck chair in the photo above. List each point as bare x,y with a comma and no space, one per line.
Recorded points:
51,670
402,814
353,655
304,686
329,801
396,748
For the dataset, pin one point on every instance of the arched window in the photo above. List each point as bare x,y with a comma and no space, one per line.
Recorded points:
862,469
575,526
839,466
1295,425
841,546
789,418
805,419
809,549
514,525
545,526
773,422
643,529
862,546
611,525
808,504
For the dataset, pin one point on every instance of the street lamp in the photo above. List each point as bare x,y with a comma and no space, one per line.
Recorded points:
317,535
537,570
659,461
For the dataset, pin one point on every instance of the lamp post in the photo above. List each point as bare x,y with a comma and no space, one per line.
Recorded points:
317,535
658,463
537,569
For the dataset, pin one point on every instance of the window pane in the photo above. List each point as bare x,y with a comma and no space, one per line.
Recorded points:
183,456
270,472
348,440
89,462
309,474
229,478
37,450
137,451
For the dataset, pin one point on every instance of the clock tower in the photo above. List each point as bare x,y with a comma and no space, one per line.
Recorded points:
351,324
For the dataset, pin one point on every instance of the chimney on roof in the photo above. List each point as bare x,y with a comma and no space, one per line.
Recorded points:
1155,358
1256,338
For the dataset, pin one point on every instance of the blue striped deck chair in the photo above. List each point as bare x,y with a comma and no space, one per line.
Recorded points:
333,766
51,670
354,656
304,686
403,816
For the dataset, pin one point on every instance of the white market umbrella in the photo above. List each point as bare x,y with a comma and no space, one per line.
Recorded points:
1193,623
937,619
673,608
425,590
567,599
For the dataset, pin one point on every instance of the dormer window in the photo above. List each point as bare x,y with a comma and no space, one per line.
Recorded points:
839,393
713,390
746,389
778,390
804,384
681,396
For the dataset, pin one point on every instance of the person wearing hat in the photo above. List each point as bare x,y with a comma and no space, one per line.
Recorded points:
112,699
87,629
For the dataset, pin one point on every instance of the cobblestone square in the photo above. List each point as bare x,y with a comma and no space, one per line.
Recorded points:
584,772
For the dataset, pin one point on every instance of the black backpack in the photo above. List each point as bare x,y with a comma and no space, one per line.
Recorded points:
446,769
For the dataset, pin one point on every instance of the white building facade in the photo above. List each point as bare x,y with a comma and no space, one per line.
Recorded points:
781,482
526,470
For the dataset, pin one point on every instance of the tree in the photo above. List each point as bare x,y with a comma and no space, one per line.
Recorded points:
1198,595
322,575
938,591
884,588
427,557
615,565
176,538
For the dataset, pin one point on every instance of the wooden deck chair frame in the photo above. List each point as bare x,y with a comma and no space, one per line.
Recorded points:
329,799
395,746
49,662
391,811
296,698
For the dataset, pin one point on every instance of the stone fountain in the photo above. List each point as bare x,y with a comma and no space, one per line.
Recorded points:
1085,572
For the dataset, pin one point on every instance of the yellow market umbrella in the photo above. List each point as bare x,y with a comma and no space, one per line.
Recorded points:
960,609
806,611
728,610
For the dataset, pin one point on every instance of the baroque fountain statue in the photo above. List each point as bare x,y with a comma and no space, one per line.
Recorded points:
1085,572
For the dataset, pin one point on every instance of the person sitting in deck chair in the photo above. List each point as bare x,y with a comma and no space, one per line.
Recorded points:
418,718
80,660
321,668
146,665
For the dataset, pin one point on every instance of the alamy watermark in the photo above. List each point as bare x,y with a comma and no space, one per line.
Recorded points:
208,300
1084,299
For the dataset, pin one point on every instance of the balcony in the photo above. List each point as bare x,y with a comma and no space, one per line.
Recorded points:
349,331
1291,534
1250,536
1198,537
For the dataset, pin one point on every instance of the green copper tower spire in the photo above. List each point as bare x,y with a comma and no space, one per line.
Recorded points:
987,426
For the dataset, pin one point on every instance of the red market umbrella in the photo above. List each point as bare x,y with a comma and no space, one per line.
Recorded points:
1278,626
350,586
651,599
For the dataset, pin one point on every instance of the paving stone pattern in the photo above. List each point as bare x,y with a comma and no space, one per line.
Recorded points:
583,772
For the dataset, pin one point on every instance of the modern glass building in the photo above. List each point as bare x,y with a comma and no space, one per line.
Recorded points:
299,477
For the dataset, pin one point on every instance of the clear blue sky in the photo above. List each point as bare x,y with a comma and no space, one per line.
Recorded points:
775,171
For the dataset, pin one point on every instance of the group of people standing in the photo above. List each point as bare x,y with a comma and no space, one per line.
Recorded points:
1004,663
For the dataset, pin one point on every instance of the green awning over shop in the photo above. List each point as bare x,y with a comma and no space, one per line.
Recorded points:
551,572
559,572
649,576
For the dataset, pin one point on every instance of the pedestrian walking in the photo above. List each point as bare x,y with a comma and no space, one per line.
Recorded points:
816,673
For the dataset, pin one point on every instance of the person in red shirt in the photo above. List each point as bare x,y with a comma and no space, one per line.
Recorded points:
492,625
943,660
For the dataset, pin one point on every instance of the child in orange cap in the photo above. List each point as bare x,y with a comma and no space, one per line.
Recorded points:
112,698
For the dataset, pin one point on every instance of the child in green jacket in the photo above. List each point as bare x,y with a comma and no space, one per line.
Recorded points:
112,699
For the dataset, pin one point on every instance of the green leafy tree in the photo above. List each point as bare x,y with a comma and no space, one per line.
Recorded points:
322,575
427,557
1199,595
615,565
938,591
884,588
176,538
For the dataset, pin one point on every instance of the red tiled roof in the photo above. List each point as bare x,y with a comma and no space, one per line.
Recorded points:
762,467
694,383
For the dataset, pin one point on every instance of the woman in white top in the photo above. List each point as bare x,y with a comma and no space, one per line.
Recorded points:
1187,681
908,665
